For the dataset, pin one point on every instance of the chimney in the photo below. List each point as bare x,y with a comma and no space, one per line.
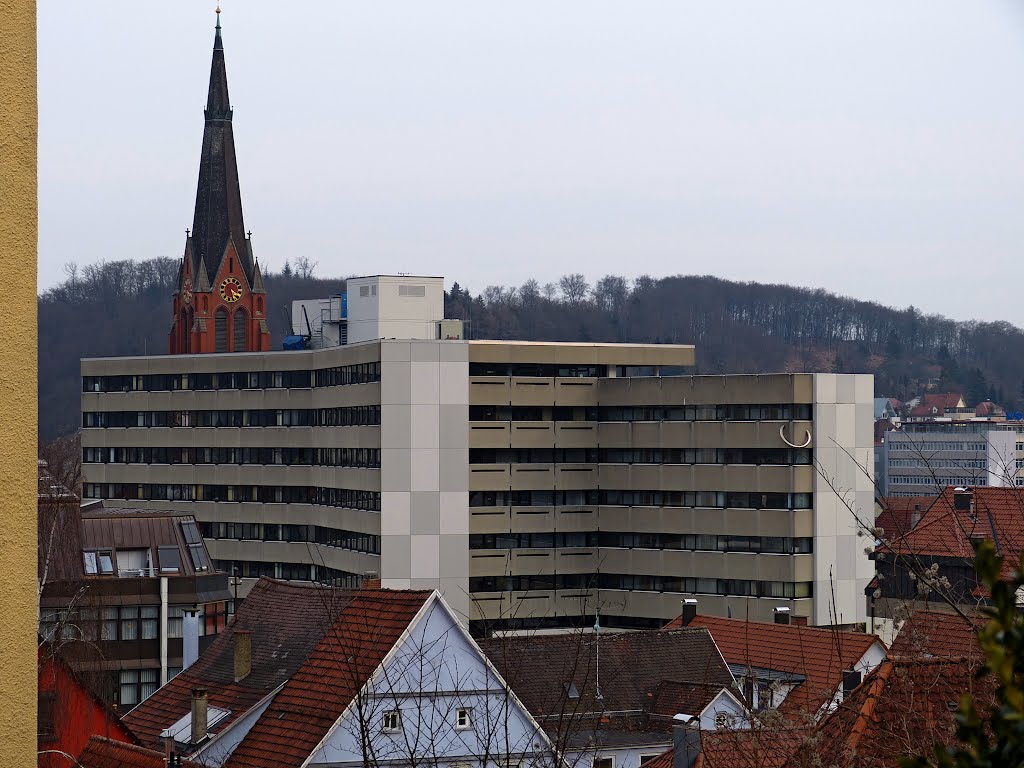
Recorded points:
371,583
243,653
962,499
781,615
190,637
851,679
168,749
689,611
199,715
915,516
686,744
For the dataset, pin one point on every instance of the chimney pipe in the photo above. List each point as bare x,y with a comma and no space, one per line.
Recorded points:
168,749
689,611
851,679
686,744
243,653
915,516
781,615
199,715
190,637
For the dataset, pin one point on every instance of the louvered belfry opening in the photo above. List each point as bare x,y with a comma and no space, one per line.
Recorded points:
240,331
220,326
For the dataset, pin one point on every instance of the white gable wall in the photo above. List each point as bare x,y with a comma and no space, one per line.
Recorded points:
434,671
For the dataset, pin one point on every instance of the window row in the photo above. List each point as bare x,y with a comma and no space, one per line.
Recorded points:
549,370
782,545
348,416
127,622
254,569
264,494
342,375
727,412
916,446
321,457
941,480
924,463
640,498
681,584
757,456
313,534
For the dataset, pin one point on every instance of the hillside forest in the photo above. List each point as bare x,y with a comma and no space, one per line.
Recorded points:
123,308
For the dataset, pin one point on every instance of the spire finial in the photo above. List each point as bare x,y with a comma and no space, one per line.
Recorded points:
218,15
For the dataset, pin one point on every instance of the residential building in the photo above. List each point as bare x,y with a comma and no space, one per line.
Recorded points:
101,752
924,457
931,565
219,302
310,675
121,589
802,672
611,699
905,708
70,711
949,406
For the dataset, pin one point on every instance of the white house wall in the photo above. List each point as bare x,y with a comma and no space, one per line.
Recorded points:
435,671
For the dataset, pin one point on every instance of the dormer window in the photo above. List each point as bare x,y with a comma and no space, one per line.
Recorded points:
170,559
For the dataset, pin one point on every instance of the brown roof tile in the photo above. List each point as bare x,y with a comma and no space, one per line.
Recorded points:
944,531
817,653
102,752
556,678
286,619
937,634
334,672
905,707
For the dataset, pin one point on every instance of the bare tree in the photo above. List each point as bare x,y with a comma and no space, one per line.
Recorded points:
304,267
574,288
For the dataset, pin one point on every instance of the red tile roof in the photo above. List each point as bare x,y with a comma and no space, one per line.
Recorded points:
936,634
943,400
905,707
996,514
897,514
317,694
286,620
102,752
767,746
817,653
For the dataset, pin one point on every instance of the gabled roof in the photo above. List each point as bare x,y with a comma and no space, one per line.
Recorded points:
559,680
319,692
944,531
760,747
819,654
897,514
943,400
102,752
937,634
287,621
672,697
905,707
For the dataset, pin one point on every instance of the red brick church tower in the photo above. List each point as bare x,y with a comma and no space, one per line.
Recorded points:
220,304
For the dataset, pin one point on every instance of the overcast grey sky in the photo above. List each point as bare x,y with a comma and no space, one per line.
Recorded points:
871,148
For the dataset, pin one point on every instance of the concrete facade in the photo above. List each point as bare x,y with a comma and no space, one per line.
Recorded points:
922,459
535,484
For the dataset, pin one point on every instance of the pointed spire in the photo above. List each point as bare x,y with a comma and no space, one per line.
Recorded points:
218,216
257,280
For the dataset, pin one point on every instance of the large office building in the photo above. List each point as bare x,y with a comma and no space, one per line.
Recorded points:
924,458
534,483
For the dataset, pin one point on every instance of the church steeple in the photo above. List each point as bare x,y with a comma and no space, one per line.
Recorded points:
220,303
218,216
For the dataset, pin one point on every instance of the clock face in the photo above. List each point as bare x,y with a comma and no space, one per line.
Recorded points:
186,290
231,290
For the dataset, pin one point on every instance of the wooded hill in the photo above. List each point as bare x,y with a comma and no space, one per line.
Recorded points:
123,308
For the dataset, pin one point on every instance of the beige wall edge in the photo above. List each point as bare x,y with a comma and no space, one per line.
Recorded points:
18,403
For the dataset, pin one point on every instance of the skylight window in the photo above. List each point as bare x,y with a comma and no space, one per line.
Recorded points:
170,559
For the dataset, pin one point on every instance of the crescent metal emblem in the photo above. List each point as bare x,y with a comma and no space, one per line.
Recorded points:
782,434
